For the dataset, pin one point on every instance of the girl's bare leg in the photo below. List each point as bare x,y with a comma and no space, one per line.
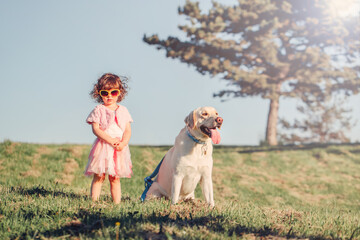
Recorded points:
115,188
96,186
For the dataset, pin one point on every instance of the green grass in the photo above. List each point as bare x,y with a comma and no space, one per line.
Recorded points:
287,192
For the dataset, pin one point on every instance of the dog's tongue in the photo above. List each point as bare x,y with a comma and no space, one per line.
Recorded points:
215,136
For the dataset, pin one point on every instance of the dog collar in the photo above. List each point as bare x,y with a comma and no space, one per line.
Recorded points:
193,138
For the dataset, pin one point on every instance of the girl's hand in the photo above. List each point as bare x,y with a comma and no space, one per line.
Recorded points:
120,146
114,142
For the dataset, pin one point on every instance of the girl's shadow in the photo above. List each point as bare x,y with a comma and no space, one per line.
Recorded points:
44,192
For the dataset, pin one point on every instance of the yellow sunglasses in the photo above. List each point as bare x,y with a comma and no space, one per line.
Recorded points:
112,92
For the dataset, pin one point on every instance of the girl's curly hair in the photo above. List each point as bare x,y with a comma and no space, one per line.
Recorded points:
110,81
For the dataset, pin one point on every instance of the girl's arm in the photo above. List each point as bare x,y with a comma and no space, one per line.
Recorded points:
126,137
104,136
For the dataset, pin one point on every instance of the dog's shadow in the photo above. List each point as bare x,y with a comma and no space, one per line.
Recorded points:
89,223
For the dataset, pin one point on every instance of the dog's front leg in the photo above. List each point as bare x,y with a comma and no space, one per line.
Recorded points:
175,189
207,189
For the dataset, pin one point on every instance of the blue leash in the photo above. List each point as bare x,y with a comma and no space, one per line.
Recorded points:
148,180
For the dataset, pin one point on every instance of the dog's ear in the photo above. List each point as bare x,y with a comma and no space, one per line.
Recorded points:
190,120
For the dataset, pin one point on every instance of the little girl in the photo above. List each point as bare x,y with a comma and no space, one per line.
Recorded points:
110,122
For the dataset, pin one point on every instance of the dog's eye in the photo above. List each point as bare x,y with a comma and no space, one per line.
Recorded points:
216,114
205,114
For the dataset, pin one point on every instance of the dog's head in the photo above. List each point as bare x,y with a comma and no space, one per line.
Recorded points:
203,122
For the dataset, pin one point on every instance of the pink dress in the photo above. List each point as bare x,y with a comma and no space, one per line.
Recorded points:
103,158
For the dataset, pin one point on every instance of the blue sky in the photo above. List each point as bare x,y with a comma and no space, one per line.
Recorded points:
52,52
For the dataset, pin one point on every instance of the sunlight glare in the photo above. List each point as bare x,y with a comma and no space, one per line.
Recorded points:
344,8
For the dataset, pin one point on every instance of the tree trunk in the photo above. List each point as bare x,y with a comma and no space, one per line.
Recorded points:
271,129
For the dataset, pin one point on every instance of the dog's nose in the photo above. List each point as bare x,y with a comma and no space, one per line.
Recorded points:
219,120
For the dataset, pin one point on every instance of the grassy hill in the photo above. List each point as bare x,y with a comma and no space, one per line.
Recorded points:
286,192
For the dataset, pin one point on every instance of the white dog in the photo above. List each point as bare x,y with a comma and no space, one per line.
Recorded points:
190,159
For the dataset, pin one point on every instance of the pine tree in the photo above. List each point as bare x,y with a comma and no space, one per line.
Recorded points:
271,49
321,122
